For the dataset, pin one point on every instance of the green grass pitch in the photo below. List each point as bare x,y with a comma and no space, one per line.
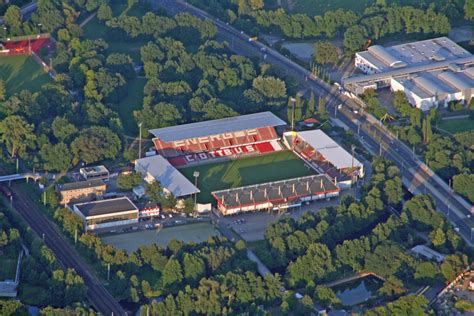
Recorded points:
20,73
246,171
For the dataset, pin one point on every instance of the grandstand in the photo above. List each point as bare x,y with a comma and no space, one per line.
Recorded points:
277,195
325,156
234,136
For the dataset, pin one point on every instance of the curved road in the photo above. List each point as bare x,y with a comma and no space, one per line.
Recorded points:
97,295
417,177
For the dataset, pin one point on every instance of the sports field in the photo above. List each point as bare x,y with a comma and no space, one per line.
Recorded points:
20,73
246,171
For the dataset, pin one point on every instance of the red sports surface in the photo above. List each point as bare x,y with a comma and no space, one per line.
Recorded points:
214,142
23,47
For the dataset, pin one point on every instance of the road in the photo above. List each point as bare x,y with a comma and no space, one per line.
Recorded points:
417,177
97,295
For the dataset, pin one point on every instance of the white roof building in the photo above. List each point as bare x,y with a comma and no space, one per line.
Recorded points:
159,169
331,150
432,72
427,252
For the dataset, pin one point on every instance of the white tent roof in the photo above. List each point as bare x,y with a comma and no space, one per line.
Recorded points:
169,177
327,147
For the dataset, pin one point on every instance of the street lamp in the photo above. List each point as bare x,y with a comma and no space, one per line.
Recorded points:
196,176
293,102
140,140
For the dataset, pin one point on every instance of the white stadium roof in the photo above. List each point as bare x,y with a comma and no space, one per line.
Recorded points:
327,147
169,177
220,126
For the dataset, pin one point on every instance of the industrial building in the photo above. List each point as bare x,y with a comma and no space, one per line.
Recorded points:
432,72
278,195
107,213
80,191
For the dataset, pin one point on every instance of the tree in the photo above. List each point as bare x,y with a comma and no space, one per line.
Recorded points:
438,237
311,106
354,38
129,181
17,135
104,13
95,144
13,17
392,287
56,157
172,275
393,190
154,191
326,296
463,184
427,131
469,10
194,268
270,87
453,265
426,272
322,106
325,52
12,307
3,91
62,129
188,206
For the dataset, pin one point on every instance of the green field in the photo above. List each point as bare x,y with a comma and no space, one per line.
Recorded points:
246,171
133,102
457,125
8,270
20,73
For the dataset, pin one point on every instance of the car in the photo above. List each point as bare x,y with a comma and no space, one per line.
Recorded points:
162,216
170,215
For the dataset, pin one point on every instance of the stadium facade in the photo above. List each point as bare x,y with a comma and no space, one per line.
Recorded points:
431,72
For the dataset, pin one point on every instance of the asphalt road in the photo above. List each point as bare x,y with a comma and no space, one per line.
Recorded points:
417,177
97,295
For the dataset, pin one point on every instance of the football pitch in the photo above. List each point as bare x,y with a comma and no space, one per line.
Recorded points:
246,171
22,72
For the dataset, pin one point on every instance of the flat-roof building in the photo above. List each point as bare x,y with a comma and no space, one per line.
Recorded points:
74,192
107,213
431,72
95,172
157,168
278,195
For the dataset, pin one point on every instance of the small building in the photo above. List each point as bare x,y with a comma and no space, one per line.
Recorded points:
95,172
157,168
80,191
107,213
428,253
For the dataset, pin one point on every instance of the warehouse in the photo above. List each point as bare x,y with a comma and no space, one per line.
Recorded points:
107,213
432,72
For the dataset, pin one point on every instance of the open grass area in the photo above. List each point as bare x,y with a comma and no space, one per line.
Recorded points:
133,102
8,268
246,171
457,125
20,73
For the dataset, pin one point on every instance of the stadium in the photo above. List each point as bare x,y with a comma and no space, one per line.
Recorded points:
242,164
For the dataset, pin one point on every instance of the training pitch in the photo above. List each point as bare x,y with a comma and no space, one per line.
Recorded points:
246,171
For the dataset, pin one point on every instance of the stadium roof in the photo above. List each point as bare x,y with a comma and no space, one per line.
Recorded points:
273,191
458,81
214,127
103,207
327,147
81,185
169,177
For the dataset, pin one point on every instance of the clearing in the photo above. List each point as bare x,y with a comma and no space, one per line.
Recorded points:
457,125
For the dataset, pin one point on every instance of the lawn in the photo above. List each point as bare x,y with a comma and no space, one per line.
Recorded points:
457,125
247,171
133,102
22,73
8,270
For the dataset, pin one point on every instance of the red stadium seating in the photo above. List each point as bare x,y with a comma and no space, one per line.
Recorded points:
192,146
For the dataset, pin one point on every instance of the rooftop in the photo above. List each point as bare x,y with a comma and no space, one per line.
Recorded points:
272,191
94,169
220,126
427,252
103,207
81,185
330,150
169,177
414,53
